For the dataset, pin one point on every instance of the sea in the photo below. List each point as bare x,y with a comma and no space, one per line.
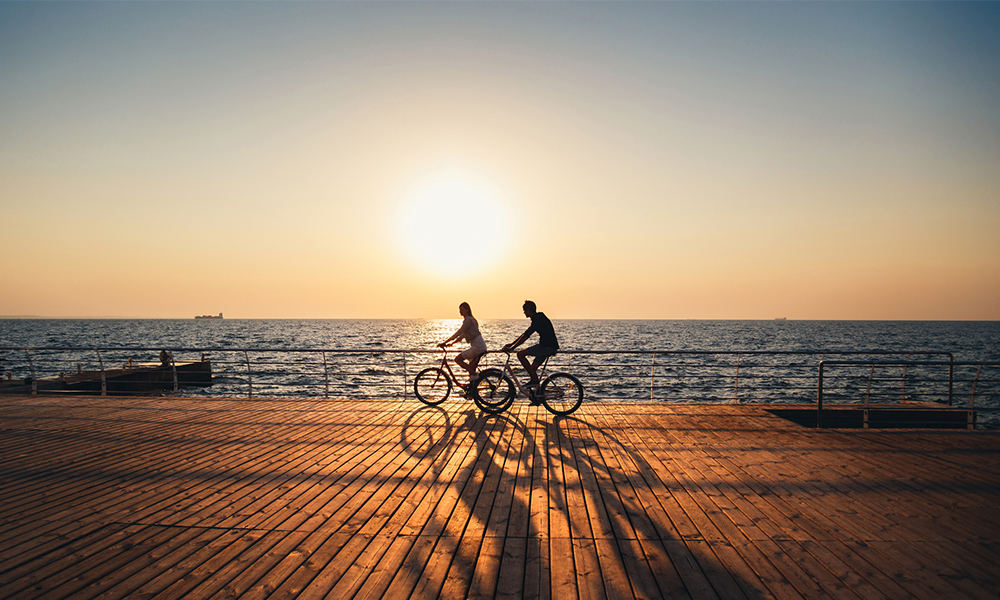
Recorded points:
617,360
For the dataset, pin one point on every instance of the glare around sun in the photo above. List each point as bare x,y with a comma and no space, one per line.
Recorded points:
453,224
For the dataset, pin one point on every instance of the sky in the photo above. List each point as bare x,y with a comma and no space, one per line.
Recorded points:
677,160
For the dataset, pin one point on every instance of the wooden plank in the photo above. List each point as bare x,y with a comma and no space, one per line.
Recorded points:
537,569
562,579
513,566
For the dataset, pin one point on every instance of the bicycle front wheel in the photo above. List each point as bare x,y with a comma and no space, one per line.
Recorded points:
493,392
561,393
432,386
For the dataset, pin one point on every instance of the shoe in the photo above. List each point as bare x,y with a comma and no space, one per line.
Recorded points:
532,388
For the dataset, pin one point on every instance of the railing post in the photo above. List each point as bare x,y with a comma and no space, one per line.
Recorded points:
868,391
736,385
972,398
652,367
326,376
31,369
246,357
173,365
868,397
951,376
819,397
902,385
104,379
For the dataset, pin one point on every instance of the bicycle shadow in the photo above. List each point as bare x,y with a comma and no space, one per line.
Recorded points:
517,495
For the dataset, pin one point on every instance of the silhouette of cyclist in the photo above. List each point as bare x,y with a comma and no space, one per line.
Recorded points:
468,359
547,344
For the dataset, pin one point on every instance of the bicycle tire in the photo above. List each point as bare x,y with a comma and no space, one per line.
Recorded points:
561,393
432,386
493,392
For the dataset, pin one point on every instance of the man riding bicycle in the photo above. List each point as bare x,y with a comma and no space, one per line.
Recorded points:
547,344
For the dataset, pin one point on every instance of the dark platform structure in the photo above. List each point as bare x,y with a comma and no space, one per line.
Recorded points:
137,379
144,497
890,416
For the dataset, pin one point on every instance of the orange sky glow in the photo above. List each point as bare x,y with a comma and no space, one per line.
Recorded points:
607,160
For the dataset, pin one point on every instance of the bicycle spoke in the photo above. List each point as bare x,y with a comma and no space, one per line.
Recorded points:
561,393
432,386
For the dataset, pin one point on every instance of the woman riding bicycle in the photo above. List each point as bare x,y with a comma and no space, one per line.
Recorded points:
469,331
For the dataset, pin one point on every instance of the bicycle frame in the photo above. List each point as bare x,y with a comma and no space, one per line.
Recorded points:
446,366
522,390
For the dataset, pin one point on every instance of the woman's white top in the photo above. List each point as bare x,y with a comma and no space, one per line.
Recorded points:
469,330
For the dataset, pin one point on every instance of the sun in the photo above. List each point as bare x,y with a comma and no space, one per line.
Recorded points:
453,224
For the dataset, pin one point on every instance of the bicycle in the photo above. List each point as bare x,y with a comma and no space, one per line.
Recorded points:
433,385
560,393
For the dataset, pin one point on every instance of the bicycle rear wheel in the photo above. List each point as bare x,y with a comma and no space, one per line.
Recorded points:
432,386
493,392
561,393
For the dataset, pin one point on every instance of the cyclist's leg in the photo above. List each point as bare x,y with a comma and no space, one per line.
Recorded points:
539,354
469,360
522,355
477,349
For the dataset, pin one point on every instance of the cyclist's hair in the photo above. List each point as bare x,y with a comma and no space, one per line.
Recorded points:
466,306
530,305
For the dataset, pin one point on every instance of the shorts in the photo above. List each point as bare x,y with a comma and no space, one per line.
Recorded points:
540,351
477,347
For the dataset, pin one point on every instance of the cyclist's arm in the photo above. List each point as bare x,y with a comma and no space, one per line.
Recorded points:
458,334
450,340
520,339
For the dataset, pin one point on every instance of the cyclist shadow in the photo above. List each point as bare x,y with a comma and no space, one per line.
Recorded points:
534,498
473,506
504,497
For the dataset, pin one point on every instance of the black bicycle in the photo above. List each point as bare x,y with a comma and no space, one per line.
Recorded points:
560,393
433,385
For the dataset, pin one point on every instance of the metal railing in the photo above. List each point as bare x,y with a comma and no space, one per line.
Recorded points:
855,374
671,376
814,377
723,375
817,378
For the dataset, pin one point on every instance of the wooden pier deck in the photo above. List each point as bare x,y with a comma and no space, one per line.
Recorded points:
193,498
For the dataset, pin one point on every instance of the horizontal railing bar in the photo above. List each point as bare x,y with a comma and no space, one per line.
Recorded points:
915,363
438,351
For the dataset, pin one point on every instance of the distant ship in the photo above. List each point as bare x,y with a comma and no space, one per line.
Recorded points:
209,316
